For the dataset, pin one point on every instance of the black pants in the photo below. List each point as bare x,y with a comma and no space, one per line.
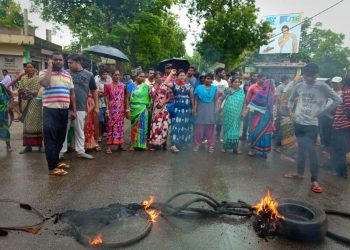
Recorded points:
307,137
338,150
326,130
55,126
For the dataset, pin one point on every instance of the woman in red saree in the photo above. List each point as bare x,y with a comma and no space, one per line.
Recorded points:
115,96
91,126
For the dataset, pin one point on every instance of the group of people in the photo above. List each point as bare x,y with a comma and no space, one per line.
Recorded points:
72,108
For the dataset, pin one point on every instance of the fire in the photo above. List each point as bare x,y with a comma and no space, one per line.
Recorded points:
269,206
96,241
152,213
267,217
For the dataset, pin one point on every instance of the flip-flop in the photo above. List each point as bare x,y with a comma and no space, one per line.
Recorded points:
58,172
63,165
316,189
108,152
293,176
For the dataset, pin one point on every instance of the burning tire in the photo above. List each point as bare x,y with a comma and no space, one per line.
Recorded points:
303,221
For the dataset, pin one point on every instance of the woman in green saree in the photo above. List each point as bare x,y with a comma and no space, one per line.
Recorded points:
4,117
137,103
232,112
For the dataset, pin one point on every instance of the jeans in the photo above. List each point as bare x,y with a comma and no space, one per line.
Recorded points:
278,133
55,128
326,130
307,137
246,123
339,143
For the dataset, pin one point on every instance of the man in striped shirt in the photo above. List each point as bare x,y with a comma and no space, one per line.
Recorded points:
58,97
341,132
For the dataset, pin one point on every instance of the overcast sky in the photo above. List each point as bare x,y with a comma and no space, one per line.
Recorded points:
336,19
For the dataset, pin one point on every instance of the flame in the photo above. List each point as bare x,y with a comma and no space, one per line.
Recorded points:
152,213
96,241
268,205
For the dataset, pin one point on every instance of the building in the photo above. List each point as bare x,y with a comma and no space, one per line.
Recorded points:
20,45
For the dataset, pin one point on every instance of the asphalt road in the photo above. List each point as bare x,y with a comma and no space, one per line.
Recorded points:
127,177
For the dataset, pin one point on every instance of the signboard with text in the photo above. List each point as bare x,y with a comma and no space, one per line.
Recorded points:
286,34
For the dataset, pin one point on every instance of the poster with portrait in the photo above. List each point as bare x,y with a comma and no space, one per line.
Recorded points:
285,35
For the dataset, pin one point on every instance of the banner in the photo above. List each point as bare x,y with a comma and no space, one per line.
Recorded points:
286,34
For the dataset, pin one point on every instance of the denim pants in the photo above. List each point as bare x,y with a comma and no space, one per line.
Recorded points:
307,137
55,127
339,145
246,125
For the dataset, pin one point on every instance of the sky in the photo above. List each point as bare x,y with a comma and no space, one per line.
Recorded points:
335,19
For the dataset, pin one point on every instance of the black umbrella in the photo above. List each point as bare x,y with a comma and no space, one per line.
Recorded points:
107,52
178,63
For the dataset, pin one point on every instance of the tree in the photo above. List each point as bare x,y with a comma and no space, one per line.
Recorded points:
326,48
230,28
10,14
143,29
197,60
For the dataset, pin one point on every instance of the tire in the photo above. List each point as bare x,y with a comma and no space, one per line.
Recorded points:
303,221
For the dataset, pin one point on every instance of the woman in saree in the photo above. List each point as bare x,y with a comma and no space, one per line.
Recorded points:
4,116
91,129
181,134
160,95
137,103
114,95
232,107
31,108
262,126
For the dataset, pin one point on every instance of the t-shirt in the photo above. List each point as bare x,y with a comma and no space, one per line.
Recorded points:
221,85
312,100
57,95
83,82
194,83
342,113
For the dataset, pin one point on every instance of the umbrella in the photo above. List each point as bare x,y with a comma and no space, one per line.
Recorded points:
107,52
178,63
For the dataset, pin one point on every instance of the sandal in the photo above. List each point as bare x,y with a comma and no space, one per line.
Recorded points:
223,150
174,149
63,165
131,149
108,151
86,156
293,176
211,150
316,188
251,153
98,149
237,152
58,172
195,149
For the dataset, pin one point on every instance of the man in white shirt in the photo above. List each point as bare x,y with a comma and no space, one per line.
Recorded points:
7,79
221,85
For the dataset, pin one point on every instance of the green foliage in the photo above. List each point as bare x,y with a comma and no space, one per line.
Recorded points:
230,29
326,48
10,14
143,29
197,60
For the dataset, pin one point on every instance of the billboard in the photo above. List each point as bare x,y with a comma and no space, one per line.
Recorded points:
286,33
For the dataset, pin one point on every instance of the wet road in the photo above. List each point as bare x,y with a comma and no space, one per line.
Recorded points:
127,177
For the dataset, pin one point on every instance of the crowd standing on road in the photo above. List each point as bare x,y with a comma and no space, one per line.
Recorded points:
73,110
